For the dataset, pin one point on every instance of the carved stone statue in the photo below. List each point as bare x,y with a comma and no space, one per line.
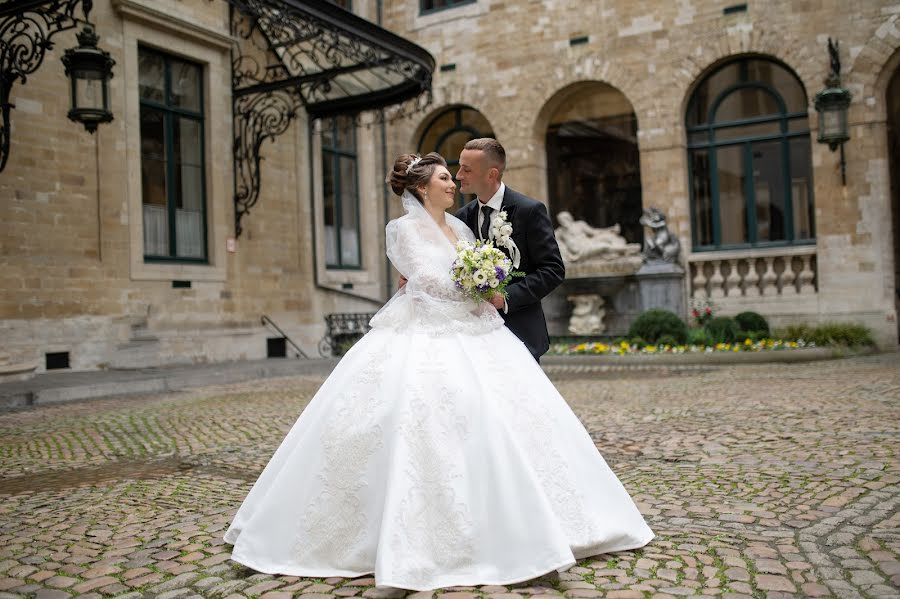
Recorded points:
587,314
660,245
594,250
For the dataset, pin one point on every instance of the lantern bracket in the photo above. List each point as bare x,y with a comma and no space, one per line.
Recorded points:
26,31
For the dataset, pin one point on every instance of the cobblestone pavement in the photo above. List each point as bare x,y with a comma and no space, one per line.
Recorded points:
764,481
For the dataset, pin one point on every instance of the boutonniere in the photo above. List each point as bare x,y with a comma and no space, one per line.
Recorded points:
501,234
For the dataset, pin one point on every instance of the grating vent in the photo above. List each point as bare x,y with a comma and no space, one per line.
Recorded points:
57,360
276,347
734,9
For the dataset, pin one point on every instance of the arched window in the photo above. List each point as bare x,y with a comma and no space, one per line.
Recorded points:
749,158
448,132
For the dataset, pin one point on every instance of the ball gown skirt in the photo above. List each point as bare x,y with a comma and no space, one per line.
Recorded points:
434,460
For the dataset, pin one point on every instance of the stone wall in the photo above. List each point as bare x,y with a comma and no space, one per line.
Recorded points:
72,273
514,63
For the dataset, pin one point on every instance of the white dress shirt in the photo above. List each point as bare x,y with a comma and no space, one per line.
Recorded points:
496,202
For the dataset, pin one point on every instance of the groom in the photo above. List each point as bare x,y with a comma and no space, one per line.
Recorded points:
481,166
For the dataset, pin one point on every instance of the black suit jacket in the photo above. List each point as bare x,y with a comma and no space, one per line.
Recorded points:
540,261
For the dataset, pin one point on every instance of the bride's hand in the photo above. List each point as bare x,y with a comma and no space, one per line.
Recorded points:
402,283
497,301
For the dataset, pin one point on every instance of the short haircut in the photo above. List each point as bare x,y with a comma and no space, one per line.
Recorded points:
492,149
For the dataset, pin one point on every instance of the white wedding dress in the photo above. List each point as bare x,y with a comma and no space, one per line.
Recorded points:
436,454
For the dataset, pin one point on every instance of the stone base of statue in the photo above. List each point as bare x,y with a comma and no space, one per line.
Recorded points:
662,286
624,297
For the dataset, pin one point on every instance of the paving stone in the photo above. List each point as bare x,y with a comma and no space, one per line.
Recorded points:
763,481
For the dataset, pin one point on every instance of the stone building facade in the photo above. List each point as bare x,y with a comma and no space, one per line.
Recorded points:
77,226
596,105
591,100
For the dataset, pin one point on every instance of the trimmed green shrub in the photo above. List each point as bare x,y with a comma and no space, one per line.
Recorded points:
722,329
795,332
830,333
836,333
639,341
667,340
752,322
653,324
697,337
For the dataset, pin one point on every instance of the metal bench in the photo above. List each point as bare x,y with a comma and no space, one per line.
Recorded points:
342,330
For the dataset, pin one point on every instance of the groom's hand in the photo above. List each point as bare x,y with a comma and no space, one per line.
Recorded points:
498,301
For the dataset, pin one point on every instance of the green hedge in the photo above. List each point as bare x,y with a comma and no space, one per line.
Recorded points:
831,333
653,324
722,329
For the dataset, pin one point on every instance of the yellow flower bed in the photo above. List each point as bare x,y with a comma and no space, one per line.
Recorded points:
624,348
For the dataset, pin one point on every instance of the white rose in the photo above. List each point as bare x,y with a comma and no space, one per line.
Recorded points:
504,240
506,230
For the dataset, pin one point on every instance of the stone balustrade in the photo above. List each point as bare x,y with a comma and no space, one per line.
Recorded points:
769,272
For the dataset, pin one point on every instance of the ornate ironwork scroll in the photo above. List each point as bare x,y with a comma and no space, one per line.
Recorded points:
257,117
312,55
26,29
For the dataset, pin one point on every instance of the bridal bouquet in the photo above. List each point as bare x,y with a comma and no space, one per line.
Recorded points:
481,270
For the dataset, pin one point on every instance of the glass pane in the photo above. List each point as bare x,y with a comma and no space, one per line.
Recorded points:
438,127
328,137
328,191
801,188
746,103
732,206
349,213
153,157
189,234
785,83
453,144
745,131
800,123
707,92
475,120
187,147
186,82
702,197
698,137
151,76
89,94
768,190
346,134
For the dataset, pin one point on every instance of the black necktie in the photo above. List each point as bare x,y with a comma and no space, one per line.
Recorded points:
485,221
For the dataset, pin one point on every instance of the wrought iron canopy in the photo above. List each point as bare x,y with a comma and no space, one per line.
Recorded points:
333,60
314,55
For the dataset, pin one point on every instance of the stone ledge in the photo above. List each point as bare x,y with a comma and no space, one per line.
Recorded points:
786,356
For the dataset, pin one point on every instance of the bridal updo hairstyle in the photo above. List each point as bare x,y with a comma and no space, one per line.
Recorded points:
418,176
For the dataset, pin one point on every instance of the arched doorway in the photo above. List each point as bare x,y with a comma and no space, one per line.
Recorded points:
893,121
448,131
593,163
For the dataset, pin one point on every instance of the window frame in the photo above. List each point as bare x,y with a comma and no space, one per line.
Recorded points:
169,112
457,127
453,4
711,145
336,153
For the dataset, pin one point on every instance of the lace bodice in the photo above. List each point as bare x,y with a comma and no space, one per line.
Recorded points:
430,302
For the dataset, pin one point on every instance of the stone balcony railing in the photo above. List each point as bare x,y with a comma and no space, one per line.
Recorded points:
769,272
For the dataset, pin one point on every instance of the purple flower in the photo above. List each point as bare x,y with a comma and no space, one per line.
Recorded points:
501,274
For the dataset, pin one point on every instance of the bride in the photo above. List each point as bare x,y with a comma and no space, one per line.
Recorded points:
437,453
